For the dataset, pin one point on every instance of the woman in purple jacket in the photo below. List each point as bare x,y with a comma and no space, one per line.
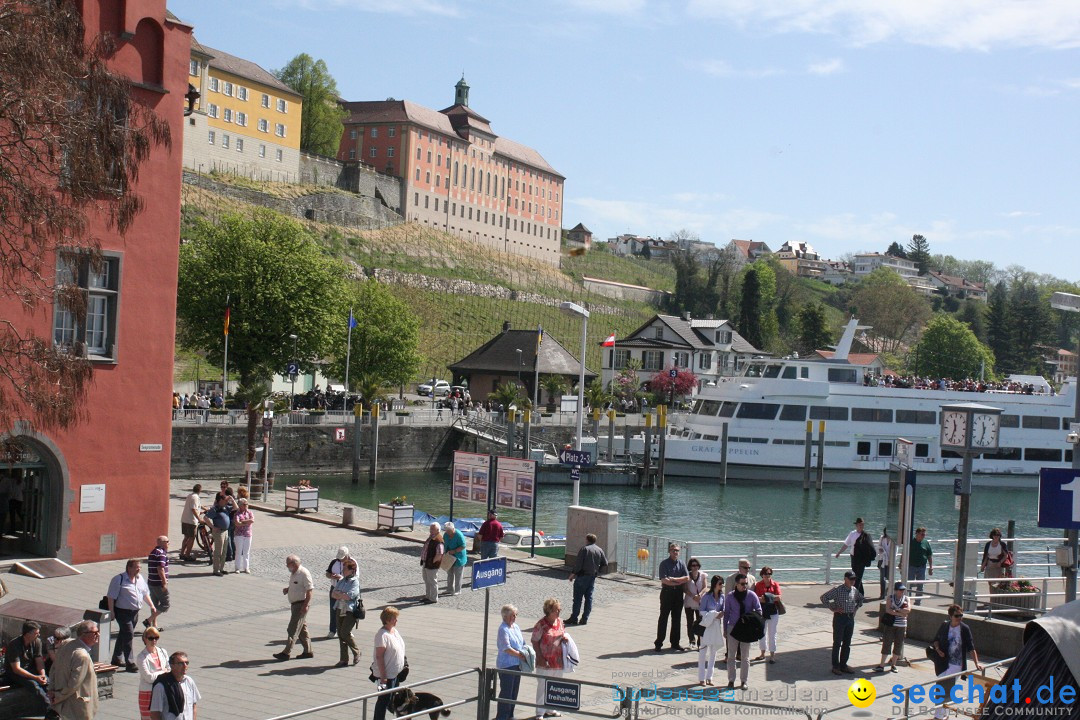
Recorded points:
738,601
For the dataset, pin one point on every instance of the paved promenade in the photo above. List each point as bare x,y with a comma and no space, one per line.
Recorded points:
231,626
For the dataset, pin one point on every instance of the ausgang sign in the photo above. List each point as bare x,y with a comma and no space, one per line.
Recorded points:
488,573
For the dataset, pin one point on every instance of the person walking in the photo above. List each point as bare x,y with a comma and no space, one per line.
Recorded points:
995,558
861,549
73,687
153,661
218,519
157,579
454,544
738,602
491,534
673,576
547,640
175,695
952,644
894,627
242,520
590,562
298,592
431,555
884,561
844,600
920,562
344,598
189,522
693,591
389,658
712,617
127,591
334,572
511,645
768,592
24,661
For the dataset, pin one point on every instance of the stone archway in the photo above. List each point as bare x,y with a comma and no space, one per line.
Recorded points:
42,472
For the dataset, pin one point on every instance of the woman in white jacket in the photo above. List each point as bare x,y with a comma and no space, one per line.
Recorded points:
712,617
151,662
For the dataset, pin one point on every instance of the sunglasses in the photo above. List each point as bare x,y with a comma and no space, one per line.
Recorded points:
958,616
740,584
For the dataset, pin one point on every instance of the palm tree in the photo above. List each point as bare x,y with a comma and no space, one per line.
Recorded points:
554,386
368,388
509,393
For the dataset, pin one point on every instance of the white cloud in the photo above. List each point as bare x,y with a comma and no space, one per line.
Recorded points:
722,68
1020,214
826,67
955,24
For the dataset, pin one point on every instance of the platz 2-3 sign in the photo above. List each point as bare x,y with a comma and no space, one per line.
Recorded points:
575,457
1059,498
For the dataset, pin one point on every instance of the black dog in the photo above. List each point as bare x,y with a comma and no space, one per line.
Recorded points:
406,702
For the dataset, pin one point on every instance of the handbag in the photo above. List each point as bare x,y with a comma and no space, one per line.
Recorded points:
401,676
358,610
888,619
103,603
931,654
1007,561
780,609
447,562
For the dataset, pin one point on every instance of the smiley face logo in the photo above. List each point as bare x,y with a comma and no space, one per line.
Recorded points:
862,693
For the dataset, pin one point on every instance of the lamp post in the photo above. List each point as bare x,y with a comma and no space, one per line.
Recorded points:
575,310
292,375
518,351
1071,303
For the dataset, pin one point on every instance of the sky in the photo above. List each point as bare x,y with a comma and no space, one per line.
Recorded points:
845,124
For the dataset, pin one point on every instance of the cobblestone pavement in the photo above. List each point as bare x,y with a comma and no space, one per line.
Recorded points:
231,626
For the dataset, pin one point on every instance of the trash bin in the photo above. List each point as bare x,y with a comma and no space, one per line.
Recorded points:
347,516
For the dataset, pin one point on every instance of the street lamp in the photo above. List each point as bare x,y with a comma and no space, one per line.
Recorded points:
518,351
575,310
292,376
1071,303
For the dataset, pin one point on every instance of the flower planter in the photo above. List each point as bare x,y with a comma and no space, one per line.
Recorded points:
393,517
1022,601
299,498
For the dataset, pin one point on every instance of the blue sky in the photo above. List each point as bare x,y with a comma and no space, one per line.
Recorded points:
843,123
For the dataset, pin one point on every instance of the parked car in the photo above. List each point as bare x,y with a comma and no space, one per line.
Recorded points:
441,388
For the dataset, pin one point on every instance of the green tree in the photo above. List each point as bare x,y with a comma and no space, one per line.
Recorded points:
896,250
813,334
893,309
509,393
750,310
999,327
385,338
948,348
918,252
596,395
554,386
321,118
277,281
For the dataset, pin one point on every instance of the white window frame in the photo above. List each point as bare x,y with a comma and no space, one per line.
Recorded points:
193,67
239,144
211,137
265,100
241,92
264,125
280,155
226,115
212,110
228,89
93,334
214,84
262,151
279,130
282,106
224,141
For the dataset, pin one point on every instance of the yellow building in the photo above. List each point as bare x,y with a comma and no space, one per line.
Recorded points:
246,121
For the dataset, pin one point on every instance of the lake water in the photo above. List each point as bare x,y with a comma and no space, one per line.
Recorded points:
697,510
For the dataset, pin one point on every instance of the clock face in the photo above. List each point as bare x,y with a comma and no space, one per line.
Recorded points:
954,428
984,431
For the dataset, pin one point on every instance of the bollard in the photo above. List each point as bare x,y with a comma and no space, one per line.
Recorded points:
347,516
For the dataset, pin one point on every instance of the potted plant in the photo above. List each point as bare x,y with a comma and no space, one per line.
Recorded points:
398,513
554,386
1018,594
302,496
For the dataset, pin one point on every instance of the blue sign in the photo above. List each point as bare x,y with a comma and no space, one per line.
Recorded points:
575,473
488,573
1059,498
292,369
563,694
673,373
958,486
575,457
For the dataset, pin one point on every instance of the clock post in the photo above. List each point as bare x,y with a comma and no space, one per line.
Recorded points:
969,429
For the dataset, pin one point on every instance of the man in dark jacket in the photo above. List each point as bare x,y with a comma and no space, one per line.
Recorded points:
591,561
952,643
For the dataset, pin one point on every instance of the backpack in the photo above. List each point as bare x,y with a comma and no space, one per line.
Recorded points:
864,552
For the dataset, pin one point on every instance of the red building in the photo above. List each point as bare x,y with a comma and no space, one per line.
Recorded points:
457,175
100,489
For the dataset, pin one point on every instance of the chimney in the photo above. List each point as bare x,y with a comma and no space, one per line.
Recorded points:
686,316
506,326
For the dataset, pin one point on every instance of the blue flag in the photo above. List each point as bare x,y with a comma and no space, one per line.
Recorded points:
352,320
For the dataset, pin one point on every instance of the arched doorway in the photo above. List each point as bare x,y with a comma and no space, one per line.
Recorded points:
36,521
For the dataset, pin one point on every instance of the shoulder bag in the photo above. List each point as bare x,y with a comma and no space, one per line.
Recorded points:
1007,560
358,610
103,603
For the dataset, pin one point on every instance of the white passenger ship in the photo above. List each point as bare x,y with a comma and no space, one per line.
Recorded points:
767,407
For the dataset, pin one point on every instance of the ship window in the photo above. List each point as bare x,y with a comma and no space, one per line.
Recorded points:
772,371
1068,456
758,411
804,372
884,449
824,412
1003,453
922,450
1036,422
789,372
950,454
728,409
709,437
871,415
1065,423
1042,454
862,447
920,417
796,413
1010,421
842,375
708,407
755,370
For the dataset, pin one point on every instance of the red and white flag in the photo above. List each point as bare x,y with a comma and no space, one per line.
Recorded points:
610,342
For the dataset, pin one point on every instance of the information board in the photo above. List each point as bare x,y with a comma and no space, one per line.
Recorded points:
471,475
1059,498
515,483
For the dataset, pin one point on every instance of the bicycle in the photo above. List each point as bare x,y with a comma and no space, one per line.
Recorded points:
205,540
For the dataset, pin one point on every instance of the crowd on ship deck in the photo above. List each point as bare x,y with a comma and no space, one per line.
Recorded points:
915,382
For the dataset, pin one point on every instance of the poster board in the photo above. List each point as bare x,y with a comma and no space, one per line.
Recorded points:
515,483
471,476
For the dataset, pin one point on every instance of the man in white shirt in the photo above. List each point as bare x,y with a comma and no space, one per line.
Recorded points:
127,592
299,593
175,695
189,522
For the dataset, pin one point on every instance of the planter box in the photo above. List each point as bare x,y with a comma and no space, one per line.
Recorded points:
1022,601
299,499
395,516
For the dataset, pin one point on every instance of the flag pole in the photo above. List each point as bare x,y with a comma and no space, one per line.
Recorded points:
348,356
536,367
225,362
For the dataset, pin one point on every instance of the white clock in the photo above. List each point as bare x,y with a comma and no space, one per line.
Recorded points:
954,427
984,430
